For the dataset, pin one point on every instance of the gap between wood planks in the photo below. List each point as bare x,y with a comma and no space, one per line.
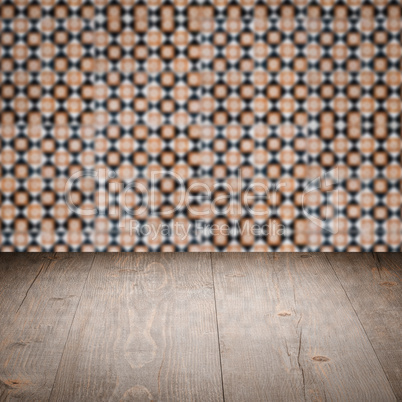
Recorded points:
69,330
217,326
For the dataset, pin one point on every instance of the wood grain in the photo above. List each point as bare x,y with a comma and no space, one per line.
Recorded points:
373,284
288,332
145,330
18,271
143,327
36,314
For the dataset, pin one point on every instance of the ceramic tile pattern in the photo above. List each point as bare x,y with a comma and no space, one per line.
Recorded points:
200,125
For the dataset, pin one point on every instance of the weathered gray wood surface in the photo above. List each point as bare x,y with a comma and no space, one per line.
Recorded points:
288,332
145,330
206,327
374,286
39,295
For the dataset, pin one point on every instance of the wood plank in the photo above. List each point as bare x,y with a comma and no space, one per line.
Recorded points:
288,332
373,284
145,330
17,273
32,341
